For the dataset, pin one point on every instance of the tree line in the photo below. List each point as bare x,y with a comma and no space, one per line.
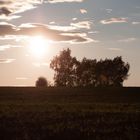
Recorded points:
69,72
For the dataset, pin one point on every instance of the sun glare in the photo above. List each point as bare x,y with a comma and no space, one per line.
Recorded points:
38,46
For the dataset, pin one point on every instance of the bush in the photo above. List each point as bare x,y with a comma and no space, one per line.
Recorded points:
41,82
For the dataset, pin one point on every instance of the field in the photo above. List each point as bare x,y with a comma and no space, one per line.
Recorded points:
69,113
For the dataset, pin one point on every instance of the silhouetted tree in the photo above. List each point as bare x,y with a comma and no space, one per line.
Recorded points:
89,72
121,71
103,71
111,72
64,66
85,73
41,82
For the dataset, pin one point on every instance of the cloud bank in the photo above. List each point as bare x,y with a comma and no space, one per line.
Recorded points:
70,34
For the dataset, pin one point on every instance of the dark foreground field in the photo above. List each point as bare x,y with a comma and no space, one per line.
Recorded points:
70,114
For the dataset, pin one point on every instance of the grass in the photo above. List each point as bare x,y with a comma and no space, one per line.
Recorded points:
69,113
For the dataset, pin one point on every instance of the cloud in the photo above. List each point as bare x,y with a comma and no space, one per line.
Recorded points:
114,20
5,47
5,61
82,24
60,1
114,49
93,32
135,23
16,38
69,34
56,33
5,11
21,78
3,2
8,18
6,28
52,22
109,11
74,19
78,38
62,28
9,7
83,11
127,40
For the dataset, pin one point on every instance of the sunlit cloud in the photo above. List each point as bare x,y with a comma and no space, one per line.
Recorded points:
82,24
63,28
16,38
5,47
8,18
114,20
60,1
54,33
5,61
78,38
109,11
136,23
52,22
10,7
93,32
83,11
74,19
21,78
127,40
114,49
26,25
6,28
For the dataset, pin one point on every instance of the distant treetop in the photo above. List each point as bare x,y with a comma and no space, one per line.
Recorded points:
41,82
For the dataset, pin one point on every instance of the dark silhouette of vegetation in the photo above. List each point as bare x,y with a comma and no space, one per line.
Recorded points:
85,73
70,72
27,113
41,82
64,66
111,72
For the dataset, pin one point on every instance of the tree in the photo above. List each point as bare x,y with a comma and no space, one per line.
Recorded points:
121,71
89,72
41,82
85,73
111,72
64,66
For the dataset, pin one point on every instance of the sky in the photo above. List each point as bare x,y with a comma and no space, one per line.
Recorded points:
32,32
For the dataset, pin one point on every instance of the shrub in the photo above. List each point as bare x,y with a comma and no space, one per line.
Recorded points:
41,82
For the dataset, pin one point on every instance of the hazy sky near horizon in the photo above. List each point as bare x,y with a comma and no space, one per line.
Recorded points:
90,28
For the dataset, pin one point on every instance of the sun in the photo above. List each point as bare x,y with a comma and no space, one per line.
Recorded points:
38,46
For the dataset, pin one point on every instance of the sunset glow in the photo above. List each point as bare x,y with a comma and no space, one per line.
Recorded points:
33,32
38,46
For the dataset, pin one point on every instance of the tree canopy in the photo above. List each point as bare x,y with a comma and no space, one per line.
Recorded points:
64,66
41,82
70,72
